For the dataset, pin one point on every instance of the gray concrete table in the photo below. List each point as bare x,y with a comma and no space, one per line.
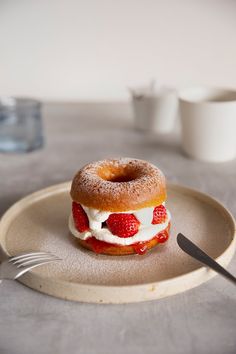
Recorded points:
202,320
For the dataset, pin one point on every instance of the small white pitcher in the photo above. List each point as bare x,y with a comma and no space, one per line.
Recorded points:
154,111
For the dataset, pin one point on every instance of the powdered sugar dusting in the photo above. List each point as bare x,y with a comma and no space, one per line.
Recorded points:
90,189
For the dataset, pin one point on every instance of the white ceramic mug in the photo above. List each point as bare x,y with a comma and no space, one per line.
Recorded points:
208,117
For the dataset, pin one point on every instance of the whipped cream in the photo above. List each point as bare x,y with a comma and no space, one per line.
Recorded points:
96,217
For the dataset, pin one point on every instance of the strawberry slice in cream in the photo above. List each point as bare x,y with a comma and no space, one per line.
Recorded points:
145,230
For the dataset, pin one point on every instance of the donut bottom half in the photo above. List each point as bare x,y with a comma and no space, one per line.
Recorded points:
102,247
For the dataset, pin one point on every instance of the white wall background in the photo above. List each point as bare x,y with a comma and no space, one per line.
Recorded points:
93,49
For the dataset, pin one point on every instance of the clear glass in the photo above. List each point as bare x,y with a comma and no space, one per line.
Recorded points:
20,124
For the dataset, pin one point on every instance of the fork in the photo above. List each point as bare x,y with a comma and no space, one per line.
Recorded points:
15,267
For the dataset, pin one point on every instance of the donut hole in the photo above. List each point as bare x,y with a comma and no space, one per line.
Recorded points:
117,174
121,178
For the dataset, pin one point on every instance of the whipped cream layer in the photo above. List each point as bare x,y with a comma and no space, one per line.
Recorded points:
96,217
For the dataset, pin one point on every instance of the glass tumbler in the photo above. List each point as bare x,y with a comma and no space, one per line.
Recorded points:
20,124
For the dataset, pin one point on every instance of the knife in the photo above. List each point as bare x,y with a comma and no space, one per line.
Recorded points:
194,251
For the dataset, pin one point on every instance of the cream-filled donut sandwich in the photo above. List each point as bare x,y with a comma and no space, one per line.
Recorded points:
118,207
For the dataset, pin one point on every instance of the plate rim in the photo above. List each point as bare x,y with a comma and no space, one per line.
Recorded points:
139,289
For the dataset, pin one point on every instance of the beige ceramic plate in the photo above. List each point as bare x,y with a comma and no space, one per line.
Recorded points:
39,223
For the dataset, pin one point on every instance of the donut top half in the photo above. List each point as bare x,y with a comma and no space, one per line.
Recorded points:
119,185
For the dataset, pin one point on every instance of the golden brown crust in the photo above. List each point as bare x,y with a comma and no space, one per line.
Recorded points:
116,250
119,185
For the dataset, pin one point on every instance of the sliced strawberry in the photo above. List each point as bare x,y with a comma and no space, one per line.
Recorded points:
123,225
80,217
159,215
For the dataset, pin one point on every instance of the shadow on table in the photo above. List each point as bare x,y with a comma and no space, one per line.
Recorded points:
168,145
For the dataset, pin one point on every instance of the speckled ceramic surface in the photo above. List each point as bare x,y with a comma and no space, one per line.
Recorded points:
39,223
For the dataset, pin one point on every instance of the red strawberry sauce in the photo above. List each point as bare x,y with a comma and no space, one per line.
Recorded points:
139,248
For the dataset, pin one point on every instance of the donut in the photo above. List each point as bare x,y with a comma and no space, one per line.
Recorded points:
119,185
118,207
